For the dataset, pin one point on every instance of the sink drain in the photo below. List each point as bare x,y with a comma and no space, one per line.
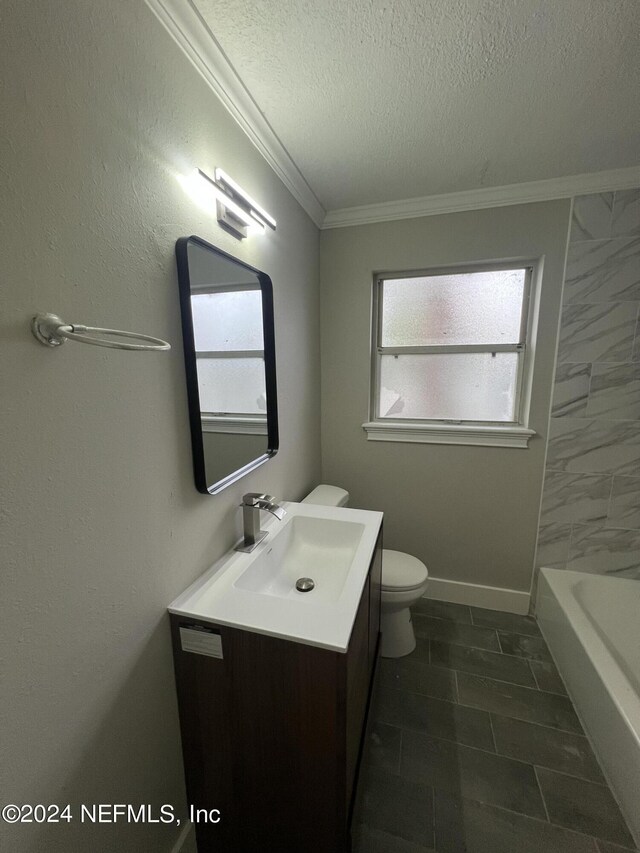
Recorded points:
305,584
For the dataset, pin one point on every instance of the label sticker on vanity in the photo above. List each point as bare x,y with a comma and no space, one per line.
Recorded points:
201,641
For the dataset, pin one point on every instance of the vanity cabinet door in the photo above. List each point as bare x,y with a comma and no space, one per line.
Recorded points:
357,687
272,733
375,592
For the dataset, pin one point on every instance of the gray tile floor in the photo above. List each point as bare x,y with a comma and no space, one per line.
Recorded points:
475,747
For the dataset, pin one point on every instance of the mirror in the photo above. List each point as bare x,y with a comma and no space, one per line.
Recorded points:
229,352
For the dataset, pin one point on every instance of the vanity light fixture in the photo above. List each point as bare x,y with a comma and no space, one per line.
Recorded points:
236,212
244,199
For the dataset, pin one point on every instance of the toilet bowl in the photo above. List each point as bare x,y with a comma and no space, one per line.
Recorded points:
404,581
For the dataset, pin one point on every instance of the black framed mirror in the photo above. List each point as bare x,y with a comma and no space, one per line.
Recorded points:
230,361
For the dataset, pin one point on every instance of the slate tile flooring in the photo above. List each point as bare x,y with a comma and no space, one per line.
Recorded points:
475,747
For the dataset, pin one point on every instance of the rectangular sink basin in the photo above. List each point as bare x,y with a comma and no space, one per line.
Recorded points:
318,548
257,591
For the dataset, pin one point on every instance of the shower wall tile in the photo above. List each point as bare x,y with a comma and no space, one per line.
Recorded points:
600,551
590,446
615,392
570,390
553,545
626,213
590,519
575,497
624,508
603,332
592,216
603,271
636,343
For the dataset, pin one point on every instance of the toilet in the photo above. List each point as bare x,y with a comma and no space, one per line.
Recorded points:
404,581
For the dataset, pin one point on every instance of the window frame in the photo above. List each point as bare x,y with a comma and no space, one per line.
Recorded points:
514,433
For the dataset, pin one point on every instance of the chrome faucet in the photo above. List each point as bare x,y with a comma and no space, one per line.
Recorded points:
251,506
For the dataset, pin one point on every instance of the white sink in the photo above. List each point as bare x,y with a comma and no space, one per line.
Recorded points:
257,592
318,548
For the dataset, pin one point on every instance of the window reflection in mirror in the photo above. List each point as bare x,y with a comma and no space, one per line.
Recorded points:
227,310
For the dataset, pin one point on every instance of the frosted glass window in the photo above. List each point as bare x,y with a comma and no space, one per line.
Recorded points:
451,347
232,385
227,320
465,308
456,386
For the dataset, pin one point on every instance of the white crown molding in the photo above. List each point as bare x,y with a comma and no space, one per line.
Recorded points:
191,34
411,208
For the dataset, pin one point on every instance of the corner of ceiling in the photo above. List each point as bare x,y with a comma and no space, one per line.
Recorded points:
184,24
502,196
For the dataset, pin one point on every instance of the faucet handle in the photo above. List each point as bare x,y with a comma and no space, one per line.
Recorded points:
252,498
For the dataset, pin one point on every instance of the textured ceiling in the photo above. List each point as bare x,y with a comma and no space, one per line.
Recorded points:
378,100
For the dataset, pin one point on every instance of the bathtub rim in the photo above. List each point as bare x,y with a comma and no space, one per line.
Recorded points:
591,675
626,699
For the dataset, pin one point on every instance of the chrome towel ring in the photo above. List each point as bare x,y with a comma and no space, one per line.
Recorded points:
51,331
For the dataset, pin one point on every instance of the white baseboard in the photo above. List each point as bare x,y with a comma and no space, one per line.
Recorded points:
186,834
477,595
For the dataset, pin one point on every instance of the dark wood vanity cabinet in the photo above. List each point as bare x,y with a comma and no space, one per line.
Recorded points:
272,733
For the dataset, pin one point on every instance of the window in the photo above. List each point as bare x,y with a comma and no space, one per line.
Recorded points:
451,356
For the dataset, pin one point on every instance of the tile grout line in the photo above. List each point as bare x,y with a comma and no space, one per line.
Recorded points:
517,719
563,826
610,223
524,660
433,815
501,680
493,735
532,818
479,649
489,627
498,651
505,757
544,802
484,710
604,784
512,683
497,754
609,502
540,725
533,673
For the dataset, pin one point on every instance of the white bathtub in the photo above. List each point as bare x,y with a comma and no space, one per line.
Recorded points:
592,626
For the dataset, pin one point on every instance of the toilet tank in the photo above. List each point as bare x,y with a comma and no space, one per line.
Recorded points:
327,496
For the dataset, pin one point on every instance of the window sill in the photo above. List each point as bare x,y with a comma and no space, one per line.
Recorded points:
470,434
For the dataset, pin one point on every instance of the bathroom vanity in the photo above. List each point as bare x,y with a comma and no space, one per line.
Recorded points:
273,687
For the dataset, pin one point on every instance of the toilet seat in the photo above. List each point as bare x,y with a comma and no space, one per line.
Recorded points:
402,572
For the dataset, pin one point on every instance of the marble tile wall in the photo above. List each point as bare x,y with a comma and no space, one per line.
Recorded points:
590,518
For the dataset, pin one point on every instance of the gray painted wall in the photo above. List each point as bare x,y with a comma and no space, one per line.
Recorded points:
590,518
470,513
101,524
